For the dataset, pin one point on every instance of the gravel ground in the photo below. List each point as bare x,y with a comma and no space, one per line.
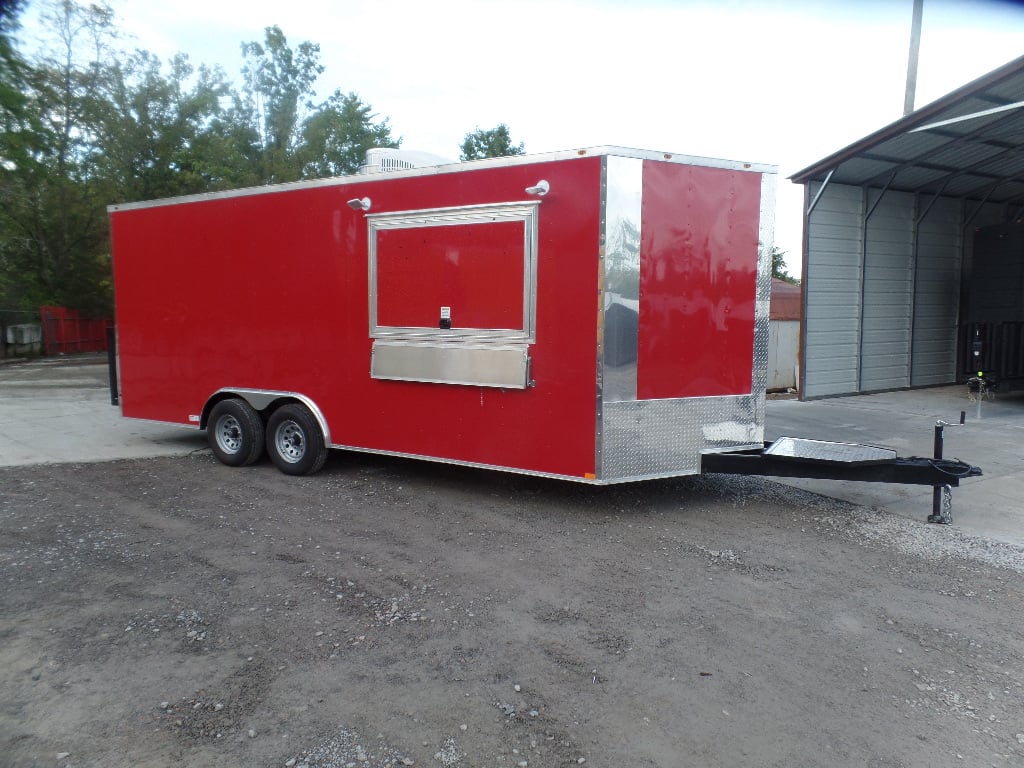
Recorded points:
173,611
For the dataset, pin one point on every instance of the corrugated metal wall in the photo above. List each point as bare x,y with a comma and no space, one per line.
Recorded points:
937,293
887,291
882,287
832,283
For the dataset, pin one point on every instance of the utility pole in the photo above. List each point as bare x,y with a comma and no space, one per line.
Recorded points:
915,46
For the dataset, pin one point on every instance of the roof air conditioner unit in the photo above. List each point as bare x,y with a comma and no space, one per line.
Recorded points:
386,160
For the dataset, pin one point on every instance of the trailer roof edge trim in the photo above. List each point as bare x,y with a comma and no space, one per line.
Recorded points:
545,157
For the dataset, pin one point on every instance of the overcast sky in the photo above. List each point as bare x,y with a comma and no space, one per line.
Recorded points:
765,81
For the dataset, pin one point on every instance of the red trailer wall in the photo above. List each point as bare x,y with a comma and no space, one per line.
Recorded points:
475,268
269,291
698,281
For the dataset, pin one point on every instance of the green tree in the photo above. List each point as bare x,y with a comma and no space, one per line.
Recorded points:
51,214
15,118
497,142
15,135
277,94
156,134
337,136
779,266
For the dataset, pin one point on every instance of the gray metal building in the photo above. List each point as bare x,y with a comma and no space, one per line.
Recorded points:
889,228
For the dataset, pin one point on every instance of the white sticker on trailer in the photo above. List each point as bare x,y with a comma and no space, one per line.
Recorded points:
193,417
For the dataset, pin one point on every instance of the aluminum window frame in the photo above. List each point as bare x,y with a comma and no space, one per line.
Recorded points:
494,213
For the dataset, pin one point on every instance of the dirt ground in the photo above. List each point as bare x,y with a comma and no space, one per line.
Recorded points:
173,611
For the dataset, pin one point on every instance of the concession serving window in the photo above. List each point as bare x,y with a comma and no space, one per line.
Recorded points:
452,294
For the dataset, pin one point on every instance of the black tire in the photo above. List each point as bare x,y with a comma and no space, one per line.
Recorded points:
235,433
295,442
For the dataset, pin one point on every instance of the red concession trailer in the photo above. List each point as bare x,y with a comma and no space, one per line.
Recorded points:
598,315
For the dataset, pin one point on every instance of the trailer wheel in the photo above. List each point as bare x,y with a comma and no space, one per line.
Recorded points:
294,440
235,433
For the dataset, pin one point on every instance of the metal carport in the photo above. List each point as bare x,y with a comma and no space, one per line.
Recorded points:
889,226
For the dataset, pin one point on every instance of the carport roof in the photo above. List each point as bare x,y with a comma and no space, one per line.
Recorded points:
968,144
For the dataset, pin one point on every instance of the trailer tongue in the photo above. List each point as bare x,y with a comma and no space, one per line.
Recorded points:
824,460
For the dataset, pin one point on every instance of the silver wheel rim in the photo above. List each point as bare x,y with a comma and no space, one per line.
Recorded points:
228,432
290,441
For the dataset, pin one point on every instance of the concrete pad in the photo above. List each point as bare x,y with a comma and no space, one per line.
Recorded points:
990,506
57,410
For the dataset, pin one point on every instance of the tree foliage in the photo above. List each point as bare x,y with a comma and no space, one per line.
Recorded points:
15,119
157,131
52,220
337,136
84,125
15,133
497,142
779,269
278,89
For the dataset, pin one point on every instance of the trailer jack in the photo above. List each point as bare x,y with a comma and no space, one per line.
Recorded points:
942,498
826,460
